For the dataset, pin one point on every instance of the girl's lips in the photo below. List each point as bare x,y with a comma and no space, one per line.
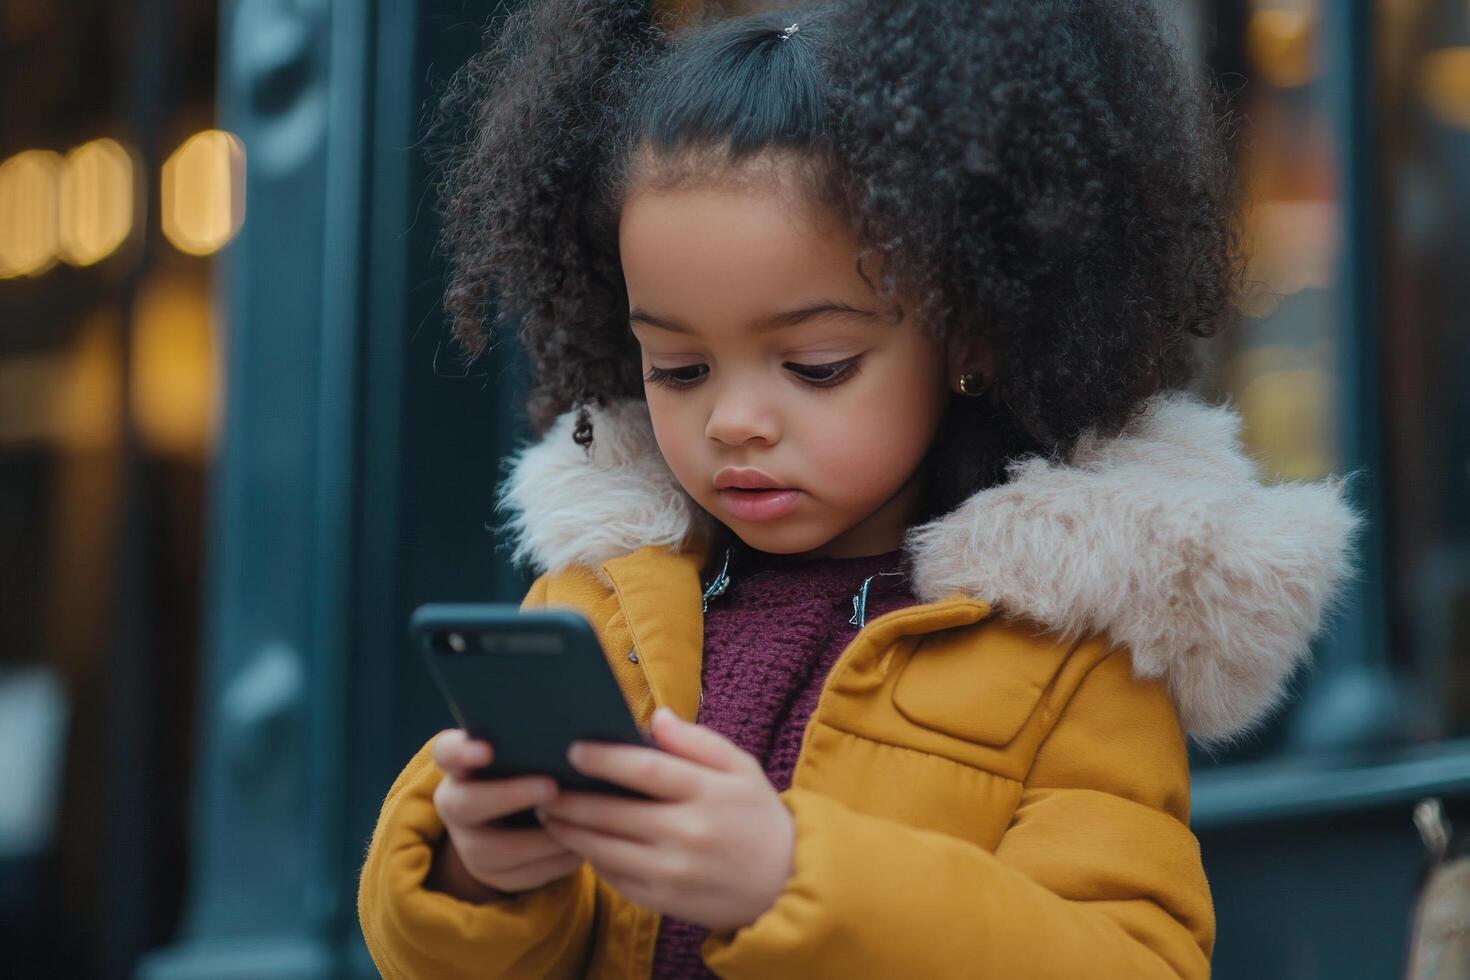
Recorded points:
759,505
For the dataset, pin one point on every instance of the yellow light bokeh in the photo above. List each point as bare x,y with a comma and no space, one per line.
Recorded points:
29,187
1282,42
87,402
203,199
1286,397
1444,84
1288,419
96,201
174,395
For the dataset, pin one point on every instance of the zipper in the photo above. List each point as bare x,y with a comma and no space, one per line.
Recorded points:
721,583
860,601
716,587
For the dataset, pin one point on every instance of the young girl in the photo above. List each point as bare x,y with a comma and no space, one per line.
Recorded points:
859,334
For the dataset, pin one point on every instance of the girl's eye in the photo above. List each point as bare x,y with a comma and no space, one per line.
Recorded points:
676,377
825,375
817,375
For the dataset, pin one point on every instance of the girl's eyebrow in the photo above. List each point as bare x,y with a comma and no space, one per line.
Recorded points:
773,322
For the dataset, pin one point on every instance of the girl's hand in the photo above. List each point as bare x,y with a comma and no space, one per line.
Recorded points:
479,862
715,845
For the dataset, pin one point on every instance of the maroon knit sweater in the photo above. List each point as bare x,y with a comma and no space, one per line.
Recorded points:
769,642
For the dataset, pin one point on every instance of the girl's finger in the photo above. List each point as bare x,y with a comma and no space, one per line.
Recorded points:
475,753
650,771
458,755
470,802
697,743
446,746
617,855
514,849
637,820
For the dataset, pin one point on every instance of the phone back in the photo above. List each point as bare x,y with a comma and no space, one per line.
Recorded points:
527,682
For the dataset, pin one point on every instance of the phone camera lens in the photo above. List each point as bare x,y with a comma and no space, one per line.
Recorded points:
456,642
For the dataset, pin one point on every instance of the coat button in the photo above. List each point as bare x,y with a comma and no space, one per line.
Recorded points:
633,656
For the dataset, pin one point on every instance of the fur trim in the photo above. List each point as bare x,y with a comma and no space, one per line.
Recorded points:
1163,538
569,506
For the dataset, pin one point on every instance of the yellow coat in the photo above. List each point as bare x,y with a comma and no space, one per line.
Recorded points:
988,787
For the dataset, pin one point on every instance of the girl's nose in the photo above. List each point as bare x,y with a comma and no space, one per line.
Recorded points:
739,417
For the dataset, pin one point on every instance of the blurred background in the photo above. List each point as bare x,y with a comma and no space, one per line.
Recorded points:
237,448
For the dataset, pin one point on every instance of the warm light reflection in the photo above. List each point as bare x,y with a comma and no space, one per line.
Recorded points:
1444,84
29,184
203,200
96,201
1286,398
173,394
86,403
1288,419
1293,246
1283,45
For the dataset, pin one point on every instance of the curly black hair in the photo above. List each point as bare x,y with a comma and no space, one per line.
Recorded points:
1043,177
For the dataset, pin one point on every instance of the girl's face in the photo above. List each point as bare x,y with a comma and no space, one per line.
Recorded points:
764,351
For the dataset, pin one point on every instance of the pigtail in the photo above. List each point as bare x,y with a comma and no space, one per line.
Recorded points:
1044,176
522,229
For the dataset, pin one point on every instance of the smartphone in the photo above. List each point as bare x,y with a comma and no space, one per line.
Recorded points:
529,683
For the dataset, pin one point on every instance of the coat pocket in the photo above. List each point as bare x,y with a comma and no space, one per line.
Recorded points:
979,684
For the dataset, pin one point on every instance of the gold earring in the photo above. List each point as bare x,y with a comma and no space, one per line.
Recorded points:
970,385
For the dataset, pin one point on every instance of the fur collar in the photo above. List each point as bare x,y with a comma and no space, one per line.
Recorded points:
1163,537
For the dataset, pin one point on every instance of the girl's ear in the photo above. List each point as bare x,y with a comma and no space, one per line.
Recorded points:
967,354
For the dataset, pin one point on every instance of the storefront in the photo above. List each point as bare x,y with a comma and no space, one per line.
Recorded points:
238,446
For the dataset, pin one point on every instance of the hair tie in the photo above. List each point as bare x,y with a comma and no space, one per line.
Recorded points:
788,32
